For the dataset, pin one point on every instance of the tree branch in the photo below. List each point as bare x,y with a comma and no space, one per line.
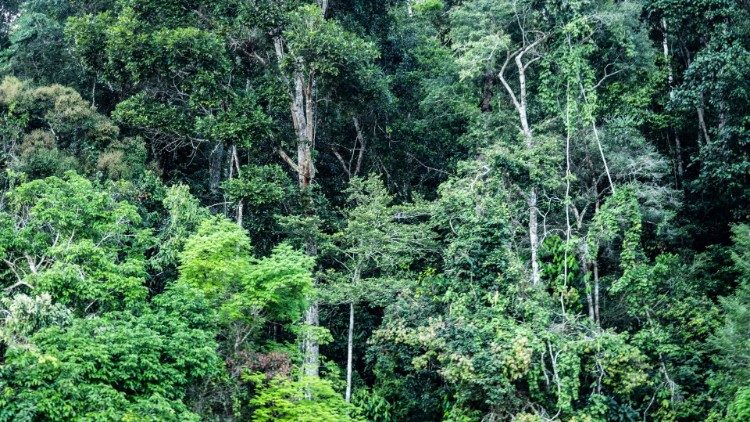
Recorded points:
288,160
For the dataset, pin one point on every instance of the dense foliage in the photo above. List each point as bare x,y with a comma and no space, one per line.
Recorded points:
401,210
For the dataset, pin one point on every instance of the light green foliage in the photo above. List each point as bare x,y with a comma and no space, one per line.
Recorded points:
75,240
305,400
216,257
279,285
373,406
121,366
25,315
218,260
478,35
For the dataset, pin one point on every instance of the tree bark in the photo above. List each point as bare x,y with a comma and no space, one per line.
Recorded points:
702,122
665,48
349,353
310,343
519,102
323,6
302,108
534,236
215,162
234,166
596,292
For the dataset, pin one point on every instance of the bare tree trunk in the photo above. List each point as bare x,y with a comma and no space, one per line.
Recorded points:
215,163
665,48
589,291
349,353
240,210
519,102
702,122
678,155
534,237
234,166
599,143
310,343
323,6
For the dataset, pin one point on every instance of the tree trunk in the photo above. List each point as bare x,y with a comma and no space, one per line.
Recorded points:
234,166
303,112
311,347
323,6
702,122
534,237
665,51
349,354
215,162
519,102
596,292
589,295
678,155
310,343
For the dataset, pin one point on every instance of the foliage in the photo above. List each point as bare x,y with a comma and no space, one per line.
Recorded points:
484,210
306,399
76,241
120,366
217,260
50,129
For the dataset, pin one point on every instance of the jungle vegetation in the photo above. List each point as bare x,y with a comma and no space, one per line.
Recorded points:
375,210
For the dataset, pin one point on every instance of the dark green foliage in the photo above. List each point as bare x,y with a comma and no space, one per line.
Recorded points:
480,210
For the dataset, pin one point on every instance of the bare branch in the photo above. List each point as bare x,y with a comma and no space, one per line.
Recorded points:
17,284
501,75
288,160
342,161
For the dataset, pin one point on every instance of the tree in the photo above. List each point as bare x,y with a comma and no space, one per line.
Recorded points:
307,399
380,241
729,341
119,366
216,259
319,54
51,129
76,241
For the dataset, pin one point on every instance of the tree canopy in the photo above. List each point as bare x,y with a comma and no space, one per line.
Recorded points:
398,210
